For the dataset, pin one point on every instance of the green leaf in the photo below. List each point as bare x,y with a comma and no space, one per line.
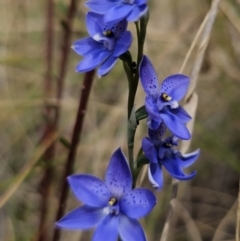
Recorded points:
65,142
141,113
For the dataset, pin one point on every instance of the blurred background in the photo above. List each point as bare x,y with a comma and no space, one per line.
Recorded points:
38,80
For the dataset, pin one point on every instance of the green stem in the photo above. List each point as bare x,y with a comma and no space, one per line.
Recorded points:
134,83
141,32
133,78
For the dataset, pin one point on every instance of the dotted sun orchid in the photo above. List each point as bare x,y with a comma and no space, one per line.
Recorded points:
112,206
116,10
105,44
162,153
162,103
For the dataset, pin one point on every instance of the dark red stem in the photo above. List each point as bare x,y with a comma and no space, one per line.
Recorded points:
53,113
65,49
77,130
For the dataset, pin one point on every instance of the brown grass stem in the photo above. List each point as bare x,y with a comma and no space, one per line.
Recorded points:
191,95
228,9
193,44
77,131
50,126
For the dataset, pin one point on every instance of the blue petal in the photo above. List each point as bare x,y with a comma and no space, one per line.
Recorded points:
155,175
140,2
151,108
162,150
86,45
123,44
117,28
130,229
83,217
188,159
137,13
107,66
137,202
89,189
175,86
181,114
157,134
174,168
175,125
94,23
149,150
148,77
107,230
152,124
118,13
118,176
92,60
100,8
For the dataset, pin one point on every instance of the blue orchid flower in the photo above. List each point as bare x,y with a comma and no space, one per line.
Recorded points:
113,207
162,153
162,103
105,44
116,10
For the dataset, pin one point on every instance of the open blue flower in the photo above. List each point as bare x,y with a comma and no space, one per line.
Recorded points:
105,44
116,10
162,103
162,153
111,206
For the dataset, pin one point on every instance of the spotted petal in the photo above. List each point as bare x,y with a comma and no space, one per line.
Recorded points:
130,229
175,125
118,176
89,189
175,86
107,230
118,28
148,77
83,217
149,150
137,202
151,108
157,135
155,175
